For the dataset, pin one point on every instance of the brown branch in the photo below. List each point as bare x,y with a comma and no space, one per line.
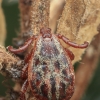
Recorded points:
25,23
40,15
86,70
10,67
79,22
25,15
71,17
7,60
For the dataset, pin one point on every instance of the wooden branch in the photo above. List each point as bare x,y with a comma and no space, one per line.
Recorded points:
6,60
25,23
79,22
40,15
25,15
10,67
86,70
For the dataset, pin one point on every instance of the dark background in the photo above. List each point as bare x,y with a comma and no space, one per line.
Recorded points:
12,17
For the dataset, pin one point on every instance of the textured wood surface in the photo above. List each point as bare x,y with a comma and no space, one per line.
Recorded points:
40,15
79,22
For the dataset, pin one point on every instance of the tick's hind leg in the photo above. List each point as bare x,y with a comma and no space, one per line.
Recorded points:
23,90
70,54
24,72
21,49
75,45
28,56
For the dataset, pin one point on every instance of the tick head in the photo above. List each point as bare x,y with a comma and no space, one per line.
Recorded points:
46,32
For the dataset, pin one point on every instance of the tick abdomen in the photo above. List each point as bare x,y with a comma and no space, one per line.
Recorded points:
52,72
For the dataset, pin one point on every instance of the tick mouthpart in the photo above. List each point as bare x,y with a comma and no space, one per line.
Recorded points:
46,32
46,35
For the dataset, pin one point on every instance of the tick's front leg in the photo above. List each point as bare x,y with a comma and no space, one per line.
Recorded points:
23,90
23,48
24,72
75,45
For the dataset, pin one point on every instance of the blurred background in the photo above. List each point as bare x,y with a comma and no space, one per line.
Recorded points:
11,13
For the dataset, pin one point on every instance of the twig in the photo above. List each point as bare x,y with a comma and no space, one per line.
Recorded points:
85,71
79,22
40,15
25,23
25,15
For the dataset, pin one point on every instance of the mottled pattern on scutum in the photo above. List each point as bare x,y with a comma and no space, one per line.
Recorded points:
51,69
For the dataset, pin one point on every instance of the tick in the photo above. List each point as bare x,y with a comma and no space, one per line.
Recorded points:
48,70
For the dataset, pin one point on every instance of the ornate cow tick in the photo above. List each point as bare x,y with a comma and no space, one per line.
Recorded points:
48,70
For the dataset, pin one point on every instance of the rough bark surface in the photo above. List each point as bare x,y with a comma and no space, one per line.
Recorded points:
86,70
79,22
40,15
25,14
6,59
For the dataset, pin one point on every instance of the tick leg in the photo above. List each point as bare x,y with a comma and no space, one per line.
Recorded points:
23,90
71,55
24,72
30,73
25,68
23,48
75,45
28,56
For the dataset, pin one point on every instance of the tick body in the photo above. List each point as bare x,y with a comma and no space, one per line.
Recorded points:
48,70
